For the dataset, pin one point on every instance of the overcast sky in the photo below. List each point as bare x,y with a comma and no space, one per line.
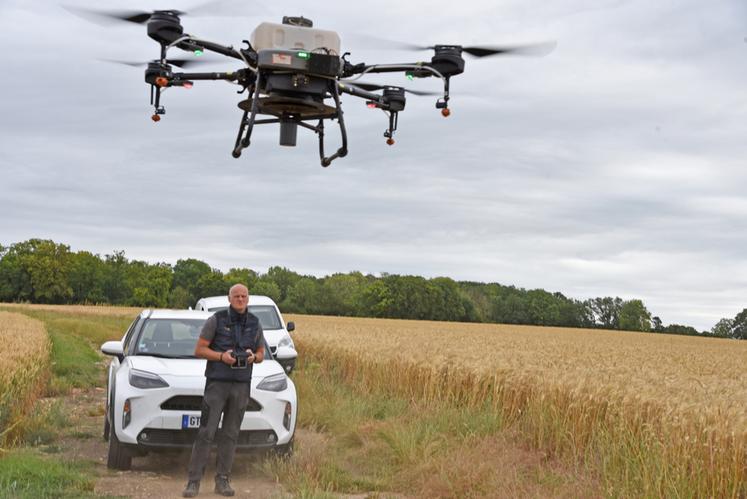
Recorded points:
615,166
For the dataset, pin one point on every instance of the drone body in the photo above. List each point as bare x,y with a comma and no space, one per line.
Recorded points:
293,75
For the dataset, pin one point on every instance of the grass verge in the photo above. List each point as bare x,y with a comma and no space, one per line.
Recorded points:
26,474
73,363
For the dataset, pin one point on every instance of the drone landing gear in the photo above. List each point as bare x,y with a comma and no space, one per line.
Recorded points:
290,113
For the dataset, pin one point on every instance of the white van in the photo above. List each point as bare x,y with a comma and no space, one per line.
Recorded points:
273,325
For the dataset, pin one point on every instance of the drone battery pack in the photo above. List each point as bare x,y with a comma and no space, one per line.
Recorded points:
299,61
288,37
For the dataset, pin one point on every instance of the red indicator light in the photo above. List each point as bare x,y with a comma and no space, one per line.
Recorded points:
371,105
188,84
445,112
390,142
155,118
162,81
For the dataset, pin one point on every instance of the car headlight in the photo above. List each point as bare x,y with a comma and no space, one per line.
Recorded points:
274,383
286,341
144,379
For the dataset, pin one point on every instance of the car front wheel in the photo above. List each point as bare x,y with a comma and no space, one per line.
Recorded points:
119,457
284,451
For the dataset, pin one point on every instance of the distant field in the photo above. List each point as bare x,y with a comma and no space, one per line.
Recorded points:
647,414
104,310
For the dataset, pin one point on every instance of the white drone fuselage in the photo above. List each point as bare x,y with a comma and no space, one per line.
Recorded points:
288,37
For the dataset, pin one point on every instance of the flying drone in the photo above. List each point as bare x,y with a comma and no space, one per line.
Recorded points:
293,74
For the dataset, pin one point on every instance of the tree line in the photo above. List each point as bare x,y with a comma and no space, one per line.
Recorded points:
42,271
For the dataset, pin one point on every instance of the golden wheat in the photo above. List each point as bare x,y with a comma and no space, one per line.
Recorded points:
103,310
684,398
24,362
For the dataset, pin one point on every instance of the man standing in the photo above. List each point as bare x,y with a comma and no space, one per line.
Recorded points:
231,341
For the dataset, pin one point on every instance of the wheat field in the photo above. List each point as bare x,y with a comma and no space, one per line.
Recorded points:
667,414
676,404
24,367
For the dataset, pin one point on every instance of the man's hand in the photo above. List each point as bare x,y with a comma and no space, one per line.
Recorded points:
250,356
226,358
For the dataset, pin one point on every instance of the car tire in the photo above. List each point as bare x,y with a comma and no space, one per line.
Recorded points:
108,417
284,451
106,427
119,456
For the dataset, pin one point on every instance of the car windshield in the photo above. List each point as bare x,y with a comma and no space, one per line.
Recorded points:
267,315
169,337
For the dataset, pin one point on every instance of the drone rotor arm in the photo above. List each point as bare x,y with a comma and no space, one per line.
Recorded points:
351,89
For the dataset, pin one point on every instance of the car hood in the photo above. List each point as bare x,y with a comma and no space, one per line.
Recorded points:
193,367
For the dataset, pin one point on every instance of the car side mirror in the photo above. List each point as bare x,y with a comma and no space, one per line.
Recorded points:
113,348
283,353
291,326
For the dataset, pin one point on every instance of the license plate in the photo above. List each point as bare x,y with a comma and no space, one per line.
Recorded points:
189,421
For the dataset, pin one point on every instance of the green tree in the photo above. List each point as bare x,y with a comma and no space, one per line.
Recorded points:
180,298
634,316
86,278
723,328
116,287
283,278
244,276
187,275
339,293
656,324
210,284
266,287
36,270
607,312
303,297
150,284
739,326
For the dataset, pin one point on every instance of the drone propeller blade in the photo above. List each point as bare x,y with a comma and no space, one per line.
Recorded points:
373,87
182,63
210,8
230,8
112,16
535,49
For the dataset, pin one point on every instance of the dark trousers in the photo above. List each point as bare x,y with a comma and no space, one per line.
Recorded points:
229,398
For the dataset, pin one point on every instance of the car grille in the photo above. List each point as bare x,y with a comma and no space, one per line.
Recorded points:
194,403
184,438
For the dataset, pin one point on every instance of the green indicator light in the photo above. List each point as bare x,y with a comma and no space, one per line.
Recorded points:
303,55
198,52
409,76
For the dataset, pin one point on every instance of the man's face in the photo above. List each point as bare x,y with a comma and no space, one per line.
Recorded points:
238,297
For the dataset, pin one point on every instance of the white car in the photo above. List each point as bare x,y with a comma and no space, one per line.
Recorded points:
155,388
273,325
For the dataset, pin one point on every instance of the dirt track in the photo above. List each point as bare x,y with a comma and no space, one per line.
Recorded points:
155,475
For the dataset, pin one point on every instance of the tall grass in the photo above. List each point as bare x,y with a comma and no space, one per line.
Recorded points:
24,362
654,416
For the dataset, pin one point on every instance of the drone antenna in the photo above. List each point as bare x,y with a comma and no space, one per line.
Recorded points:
299,21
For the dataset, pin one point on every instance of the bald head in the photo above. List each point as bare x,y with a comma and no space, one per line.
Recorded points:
238,297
